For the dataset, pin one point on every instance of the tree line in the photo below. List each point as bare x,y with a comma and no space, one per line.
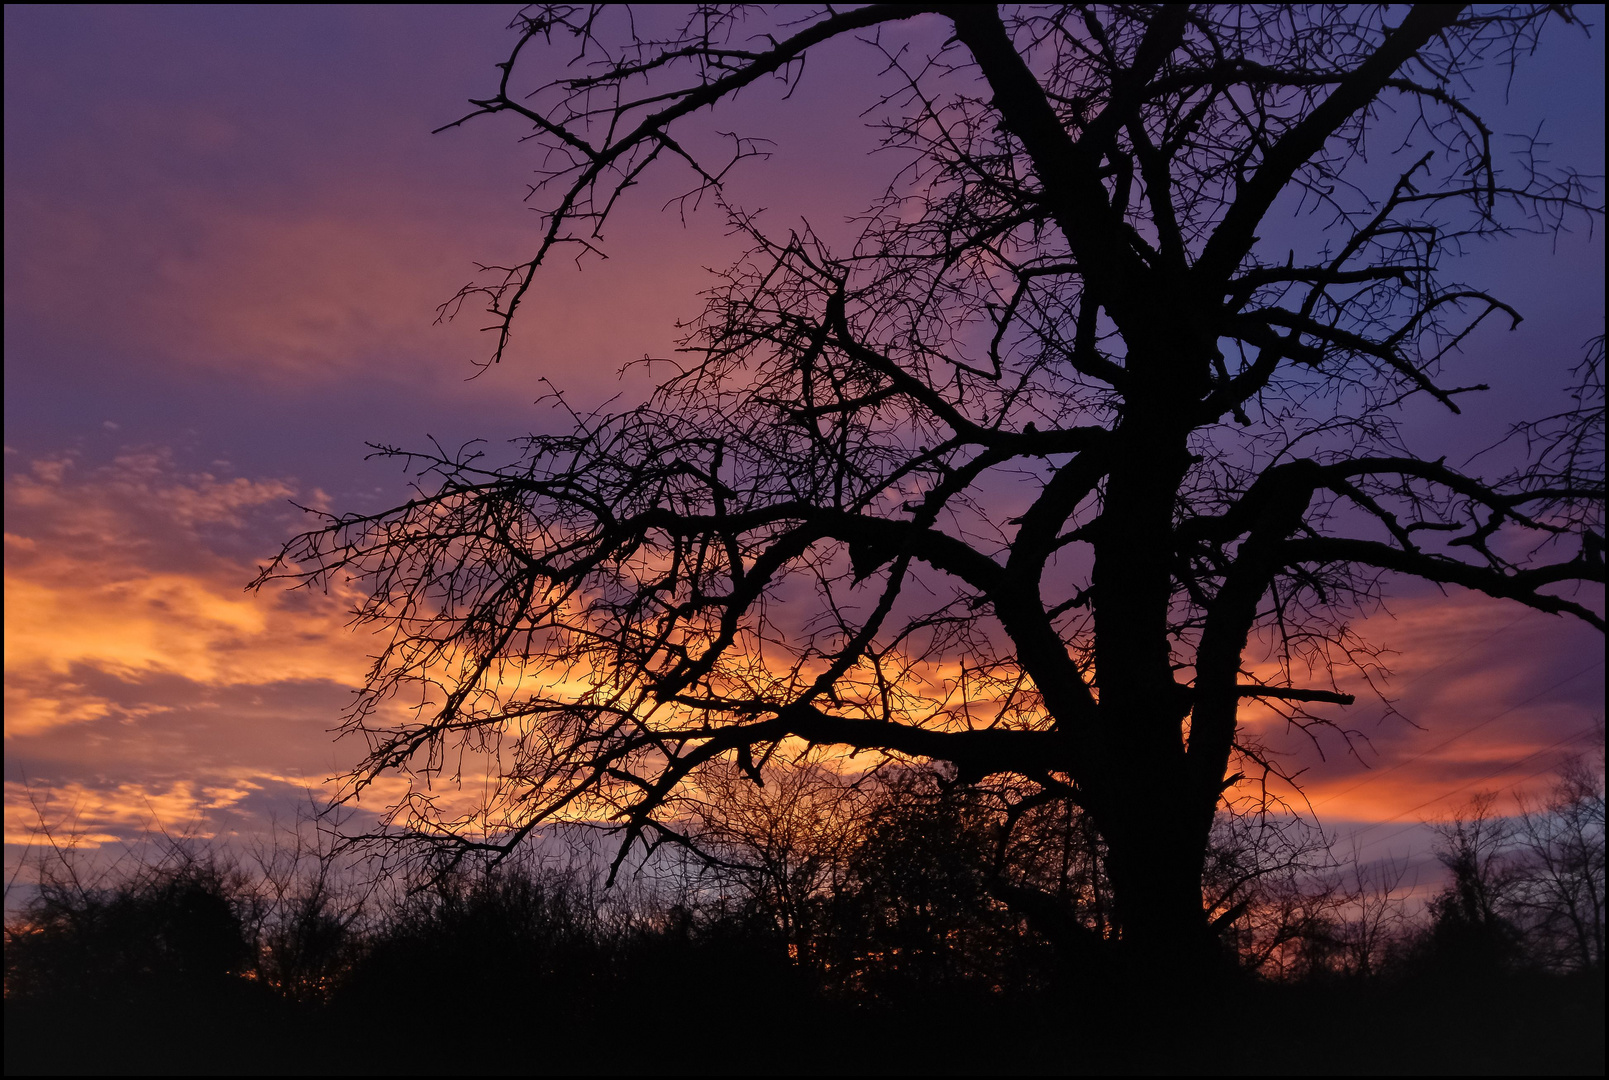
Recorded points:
888,905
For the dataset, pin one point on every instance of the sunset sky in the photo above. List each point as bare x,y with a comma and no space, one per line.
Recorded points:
227,232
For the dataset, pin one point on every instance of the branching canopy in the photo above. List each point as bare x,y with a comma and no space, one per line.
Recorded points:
1029,477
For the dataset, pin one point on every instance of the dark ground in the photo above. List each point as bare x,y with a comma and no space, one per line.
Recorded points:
1530,1025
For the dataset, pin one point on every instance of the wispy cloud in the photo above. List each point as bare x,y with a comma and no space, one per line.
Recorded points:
1481,694
142,682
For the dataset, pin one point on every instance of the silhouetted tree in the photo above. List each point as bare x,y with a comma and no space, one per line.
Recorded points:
1272,896
1472,930
1376,916
309,906
1560,842
916,913
1029,477
510,937
782,847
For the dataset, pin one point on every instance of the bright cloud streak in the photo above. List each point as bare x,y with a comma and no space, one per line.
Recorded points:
144,686
113,570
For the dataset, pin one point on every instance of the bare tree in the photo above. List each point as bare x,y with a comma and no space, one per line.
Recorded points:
1027,478
1561,843
1473,929
1375,907
311,905
784,845
1271,892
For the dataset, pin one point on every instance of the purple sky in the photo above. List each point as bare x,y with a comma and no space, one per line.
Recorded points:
227,231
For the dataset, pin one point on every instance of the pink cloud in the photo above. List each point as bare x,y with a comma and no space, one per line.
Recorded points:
1482,695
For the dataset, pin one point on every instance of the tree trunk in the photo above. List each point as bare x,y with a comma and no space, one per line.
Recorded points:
1156,849
1148,805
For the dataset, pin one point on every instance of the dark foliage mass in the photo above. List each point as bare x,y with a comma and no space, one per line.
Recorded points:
171,931
874,933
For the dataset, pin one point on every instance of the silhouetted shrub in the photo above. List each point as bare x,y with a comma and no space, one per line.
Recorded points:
921,968
917,913
153,973
509,938
173,929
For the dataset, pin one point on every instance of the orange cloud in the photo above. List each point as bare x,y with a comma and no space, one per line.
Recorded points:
142,679
118,576
87,816
1483,694
144,686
